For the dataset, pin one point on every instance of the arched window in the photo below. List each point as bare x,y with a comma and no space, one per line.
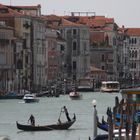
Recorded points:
135,41
134,65
74,46
132,40
133,54
130,54
107,40
136,53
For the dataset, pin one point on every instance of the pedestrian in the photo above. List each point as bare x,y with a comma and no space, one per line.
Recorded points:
32,120
66,113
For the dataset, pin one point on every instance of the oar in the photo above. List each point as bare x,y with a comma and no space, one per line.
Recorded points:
60,114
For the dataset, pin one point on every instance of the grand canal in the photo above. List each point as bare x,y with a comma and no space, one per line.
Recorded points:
47,112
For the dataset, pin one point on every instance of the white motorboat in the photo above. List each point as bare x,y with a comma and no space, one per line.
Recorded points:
29,98
75,95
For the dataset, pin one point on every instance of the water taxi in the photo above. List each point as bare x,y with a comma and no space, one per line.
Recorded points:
110,86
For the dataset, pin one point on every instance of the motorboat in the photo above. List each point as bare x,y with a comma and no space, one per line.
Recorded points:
29,98
75,95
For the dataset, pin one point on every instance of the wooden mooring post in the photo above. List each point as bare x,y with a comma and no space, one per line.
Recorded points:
139,131
110,122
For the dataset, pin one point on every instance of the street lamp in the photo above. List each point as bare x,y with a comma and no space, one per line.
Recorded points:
94,102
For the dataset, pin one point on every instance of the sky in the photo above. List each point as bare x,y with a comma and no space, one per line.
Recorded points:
124,12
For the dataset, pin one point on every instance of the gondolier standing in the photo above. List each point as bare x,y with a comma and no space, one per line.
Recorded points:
32,120
66,113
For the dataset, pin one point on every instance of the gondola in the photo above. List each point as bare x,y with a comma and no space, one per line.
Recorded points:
102,125
57,126
101,137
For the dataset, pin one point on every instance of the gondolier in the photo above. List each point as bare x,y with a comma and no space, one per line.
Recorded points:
32,120
66,113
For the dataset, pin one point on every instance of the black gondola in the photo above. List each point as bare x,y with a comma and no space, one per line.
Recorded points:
101,137
103,125
57,126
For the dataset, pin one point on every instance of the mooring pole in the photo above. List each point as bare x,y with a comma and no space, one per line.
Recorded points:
94,119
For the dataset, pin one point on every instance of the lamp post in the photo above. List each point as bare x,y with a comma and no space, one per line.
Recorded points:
94,118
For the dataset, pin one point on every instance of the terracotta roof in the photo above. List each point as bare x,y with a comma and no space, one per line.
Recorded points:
51,17
133,31
8,12
65,22
28,7
93,21
25,7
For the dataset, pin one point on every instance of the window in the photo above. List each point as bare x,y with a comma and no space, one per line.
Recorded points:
132,41
129,41
74,31
74,77
129,53
74,65
135,41
62,48
74,46
2,58
114,41
103,68
103,58
26,59
133,65
135,54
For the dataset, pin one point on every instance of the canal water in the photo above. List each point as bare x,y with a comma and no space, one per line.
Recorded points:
47,112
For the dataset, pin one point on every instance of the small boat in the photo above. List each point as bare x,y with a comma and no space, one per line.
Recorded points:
29,98
101,137
57,126
75,95
102,125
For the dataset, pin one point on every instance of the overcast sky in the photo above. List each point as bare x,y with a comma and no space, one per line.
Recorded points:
124,12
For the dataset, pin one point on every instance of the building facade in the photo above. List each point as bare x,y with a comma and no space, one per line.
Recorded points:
7,67
77,39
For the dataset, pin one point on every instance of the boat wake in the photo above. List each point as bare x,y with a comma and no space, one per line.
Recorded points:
21,102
